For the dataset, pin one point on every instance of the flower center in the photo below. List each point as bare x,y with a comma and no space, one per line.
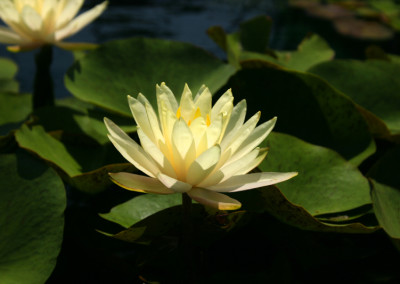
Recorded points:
196,115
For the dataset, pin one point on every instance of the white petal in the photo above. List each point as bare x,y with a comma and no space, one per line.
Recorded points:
140,115
174,184
236,120
214,199
156,154
140,183
8,12
249,181
163,91
214,131
130,150
8,36
225,99
67,12
203,165
183,148
81,21
31,19
255,138
203,101
186,105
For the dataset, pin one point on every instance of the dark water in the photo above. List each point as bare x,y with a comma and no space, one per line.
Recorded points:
184,20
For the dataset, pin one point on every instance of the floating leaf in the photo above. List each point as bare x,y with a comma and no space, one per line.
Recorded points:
105,76
374,85
84,165
32,203
386,192
8,69
272,200
140,207
306,106
326,182
14,109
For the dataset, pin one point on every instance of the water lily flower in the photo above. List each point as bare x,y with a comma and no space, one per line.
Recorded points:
34,23
194,148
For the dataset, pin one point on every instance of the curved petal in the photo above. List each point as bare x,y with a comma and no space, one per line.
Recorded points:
67,11
203,165
249,181
223,101
214,199
130,150
80,22
186,105
139,183
236,120
174,184
254,139
165,93
203,101
8,36
140,115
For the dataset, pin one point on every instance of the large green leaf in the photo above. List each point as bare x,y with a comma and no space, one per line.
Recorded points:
306,106
386,192
108,74
326,183
140,207
373,84
311,51
271,200
82,163
32,203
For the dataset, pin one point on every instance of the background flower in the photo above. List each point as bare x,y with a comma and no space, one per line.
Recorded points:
194,148
34,23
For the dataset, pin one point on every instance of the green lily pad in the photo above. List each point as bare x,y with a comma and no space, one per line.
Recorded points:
270,199
311,51
32,203
326,182
140,207
81,163
14,109
8,69
105,76
386,192
306,106
374,85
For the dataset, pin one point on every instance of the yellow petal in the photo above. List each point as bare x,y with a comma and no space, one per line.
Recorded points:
214,199
214,131
186,106
130,150
249,181
165,94
236,120
140,115
68,12
139,183
203,165
223,101
174,184
203,101
254,139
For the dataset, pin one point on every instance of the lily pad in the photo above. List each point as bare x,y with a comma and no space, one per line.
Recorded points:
326,183
271,200
14,109
81,163
374,85
32,203
105,76
386,192
140,207
8,69
306,106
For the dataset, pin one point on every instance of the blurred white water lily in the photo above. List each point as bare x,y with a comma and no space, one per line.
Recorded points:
194,148
34,23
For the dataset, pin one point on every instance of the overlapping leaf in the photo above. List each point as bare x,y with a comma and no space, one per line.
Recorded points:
108,74
32,203
306,106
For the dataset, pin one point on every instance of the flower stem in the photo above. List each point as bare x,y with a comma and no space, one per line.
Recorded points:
187,272
43,93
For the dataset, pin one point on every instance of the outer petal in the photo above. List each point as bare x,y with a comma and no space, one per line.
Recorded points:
81,21
140,115
68,12
236,120
214,199
174,184
203,101
186,105
255,138
249,181
8,36
162,91
225,99
139,183
131,150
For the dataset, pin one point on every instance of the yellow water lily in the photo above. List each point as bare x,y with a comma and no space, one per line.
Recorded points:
34,23
194,148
